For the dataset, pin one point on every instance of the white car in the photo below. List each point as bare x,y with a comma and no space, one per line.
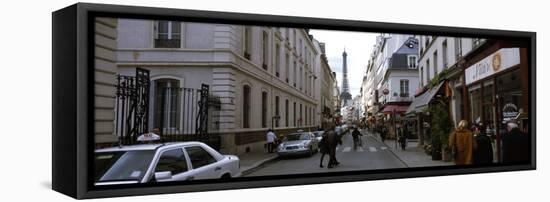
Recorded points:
178,161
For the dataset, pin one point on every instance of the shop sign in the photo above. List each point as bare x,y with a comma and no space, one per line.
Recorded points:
496,62
509,112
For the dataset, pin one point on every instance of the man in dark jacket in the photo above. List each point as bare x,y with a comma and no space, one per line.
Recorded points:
332,142
515,145
484,150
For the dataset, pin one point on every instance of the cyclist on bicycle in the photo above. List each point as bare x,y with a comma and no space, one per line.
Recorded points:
356,138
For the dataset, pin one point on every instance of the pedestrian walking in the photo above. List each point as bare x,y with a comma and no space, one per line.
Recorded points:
515,145
333,140
403,137
271,138
383,133
484,150
323,148
462,144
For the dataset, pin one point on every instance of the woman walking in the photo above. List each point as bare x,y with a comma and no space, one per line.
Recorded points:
462,144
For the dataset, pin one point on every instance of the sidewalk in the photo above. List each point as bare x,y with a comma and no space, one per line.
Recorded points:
413,156
251,161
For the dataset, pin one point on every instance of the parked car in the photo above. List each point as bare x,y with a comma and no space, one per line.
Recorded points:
298,144
319,135
161,163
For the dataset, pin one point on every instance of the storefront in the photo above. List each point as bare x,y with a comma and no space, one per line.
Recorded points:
497,90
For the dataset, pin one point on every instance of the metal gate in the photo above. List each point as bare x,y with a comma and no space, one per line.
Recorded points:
132,105
178,114
182,115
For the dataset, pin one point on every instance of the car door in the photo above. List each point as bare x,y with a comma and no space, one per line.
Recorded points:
174,161
204,165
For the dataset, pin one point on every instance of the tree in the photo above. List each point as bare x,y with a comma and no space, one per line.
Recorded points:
441,126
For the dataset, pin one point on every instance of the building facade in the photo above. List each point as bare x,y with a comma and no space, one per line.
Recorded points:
263,77
104,84
325,81
483,81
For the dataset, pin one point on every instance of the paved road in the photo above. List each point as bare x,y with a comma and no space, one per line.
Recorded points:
372,155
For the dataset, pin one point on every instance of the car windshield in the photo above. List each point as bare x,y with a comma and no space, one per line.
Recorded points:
122,165
298,136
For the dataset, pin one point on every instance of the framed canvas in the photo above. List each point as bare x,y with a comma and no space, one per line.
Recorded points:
159,100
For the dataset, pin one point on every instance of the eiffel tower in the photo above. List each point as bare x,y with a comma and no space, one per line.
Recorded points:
345,96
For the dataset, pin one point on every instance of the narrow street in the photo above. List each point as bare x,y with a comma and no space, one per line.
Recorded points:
372,155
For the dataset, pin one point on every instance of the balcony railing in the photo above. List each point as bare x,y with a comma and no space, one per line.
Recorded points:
167,43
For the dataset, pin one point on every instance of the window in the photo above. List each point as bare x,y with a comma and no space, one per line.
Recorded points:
167,34
412,61
286,113
247,42
435,63
301,48
294,113
404,86
427,71
199,157
287,34
277,111
306,115
294,75
264,109
264,50
444,54
421,76
167,102
246,106
173,161
277,60
287,67
300,119
294,40
458,48
301,78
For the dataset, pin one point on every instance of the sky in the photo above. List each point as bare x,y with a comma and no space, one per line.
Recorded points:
358,46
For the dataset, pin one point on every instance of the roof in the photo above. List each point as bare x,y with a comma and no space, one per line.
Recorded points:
143,146
410,46
422,101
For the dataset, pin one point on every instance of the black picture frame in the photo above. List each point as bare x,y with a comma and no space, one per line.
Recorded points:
73,114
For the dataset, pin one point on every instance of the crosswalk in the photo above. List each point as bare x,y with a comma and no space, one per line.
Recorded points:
361,149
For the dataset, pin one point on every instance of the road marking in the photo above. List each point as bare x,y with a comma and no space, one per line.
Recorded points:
383,148
360,149
347,149
372,149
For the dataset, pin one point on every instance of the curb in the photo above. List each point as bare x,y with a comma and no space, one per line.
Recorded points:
392,152
396,156
253,167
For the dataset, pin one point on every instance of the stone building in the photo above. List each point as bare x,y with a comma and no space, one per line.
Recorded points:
263,77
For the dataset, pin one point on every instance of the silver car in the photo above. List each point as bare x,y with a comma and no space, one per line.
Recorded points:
298,144
147,163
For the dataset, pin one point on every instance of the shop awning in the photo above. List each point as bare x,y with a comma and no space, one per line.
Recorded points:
396,108
421,102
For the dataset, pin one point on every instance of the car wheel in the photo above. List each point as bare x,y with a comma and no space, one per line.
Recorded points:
226,176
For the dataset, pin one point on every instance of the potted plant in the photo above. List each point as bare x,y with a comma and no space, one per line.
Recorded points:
441,127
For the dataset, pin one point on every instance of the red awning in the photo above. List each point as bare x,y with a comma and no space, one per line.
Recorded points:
397,108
